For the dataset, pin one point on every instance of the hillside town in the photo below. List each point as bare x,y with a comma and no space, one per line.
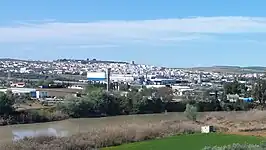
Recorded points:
81,67
69,77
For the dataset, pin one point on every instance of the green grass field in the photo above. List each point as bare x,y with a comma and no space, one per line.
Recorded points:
189,142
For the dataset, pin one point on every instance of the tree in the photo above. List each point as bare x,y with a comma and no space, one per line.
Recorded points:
6,104
76,107
147,91
123,87
191,112
137,102
259,91
44,82
166,95
106,103
234,88
93,87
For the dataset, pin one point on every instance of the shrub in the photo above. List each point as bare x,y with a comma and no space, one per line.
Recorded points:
45,116
6,104
191,112
32,116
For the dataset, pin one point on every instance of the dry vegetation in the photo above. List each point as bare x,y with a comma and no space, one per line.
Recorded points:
252,122
237,121
109,136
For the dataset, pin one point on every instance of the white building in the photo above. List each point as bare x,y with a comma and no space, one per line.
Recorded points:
179,90
121,78
19,91
23,70
41,94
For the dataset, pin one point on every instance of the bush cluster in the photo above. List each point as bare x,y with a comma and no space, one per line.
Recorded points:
32,116
98,102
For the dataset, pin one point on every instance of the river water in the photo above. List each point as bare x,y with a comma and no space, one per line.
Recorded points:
74,126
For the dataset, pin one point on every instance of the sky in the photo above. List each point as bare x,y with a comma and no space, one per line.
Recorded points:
171,33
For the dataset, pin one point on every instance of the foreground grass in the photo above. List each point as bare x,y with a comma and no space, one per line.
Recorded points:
189,142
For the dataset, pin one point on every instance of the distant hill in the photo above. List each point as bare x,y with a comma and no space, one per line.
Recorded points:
90,61
219,69
66,60
18,60
232,69
9,59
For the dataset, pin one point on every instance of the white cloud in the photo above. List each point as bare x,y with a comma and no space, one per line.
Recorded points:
182,38
87,46
32,22
115,32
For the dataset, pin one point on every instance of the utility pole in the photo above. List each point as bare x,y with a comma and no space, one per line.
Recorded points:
108,71
8,75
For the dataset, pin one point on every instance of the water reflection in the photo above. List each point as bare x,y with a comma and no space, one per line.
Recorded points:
74,126
20,134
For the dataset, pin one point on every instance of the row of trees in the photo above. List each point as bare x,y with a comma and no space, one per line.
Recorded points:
97,102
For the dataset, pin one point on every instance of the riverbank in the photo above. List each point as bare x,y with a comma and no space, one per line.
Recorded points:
32,116
109,131
105,137
75,126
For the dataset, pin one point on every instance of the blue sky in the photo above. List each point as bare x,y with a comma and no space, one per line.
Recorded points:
180,33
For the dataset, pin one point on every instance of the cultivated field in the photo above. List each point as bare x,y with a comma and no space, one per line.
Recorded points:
189,142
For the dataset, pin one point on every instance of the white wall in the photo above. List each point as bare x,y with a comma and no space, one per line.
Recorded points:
121,77
96,75
41,94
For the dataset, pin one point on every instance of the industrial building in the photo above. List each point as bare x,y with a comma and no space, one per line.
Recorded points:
56,92
103,77
96,76
180,90
20,91
41,93
162,81
100,77
155,86
122,78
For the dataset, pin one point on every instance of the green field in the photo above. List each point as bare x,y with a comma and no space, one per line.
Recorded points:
189,142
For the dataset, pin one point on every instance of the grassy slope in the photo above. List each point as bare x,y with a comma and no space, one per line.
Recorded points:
189,142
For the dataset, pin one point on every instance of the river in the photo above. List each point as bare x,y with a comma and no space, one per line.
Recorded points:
74,126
